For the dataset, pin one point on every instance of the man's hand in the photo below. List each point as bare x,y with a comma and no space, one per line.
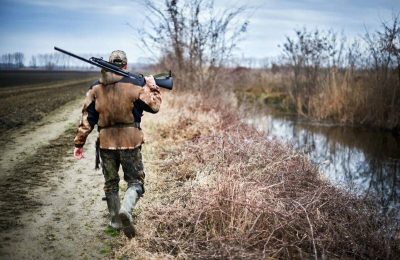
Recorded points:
78,153
150,84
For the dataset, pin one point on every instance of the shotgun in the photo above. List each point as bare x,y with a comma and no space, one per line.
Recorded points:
164,81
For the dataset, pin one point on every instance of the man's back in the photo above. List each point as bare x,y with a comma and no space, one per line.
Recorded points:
114,103
114,99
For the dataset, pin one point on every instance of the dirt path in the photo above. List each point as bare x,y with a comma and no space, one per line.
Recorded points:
27,140
51,205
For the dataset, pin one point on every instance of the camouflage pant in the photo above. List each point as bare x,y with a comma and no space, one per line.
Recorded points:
132,165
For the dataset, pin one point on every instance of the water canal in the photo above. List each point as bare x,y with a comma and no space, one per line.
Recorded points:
363,160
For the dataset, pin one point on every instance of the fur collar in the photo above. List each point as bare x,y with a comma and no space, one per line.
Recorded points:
108,78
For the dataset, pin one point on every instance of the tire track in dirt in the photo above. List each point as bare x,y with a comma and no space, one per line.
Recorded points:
17,90
50,205
23,105
24,142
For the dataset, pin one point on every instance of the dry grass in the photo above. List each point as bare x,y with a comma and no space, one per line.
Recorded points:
224,191
342,97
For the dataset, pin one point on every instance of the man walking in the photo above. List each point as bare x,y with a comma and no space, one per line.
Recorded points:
116,105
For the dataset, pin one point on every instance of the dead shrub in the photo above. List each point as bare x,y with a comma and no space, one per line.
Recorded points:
268,201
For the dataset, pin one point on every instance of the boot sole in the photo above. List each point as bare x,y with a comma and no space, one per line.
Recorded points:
127,227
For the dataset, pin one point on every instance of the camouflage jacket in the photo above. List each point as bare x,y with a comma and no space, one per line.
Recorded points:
116,105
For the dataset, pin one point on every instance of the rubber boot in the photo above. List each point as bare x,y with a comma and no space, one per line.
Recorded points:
125,213
113,205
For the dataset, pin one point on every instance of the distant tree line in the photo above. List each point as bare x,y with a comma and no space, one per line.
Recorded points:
47,61
50,61
12,60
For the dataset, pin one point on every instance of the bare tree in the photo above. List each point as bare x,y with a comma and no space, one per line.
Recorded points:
194,38
354,83
384,50
33,62
19,58
312,55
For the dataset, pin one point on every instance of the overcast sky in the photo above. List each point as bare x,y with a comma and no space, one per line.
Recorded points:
90,26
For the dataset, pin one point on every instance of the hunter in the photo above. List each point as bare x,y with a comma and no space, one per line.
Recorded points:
116,105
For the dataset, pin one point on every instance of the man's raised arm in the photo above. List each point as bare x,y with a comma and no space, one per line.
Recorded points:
151,95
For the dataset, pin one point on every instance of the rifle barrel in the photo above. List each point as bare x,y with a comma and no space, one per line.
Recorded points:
75,56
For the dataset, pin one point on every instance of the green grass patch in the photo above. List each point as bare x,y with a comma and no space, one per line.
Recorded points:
106,249
111,231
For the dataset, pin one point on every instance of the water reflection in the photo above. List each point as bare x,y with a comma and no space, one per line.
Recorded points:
366,161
